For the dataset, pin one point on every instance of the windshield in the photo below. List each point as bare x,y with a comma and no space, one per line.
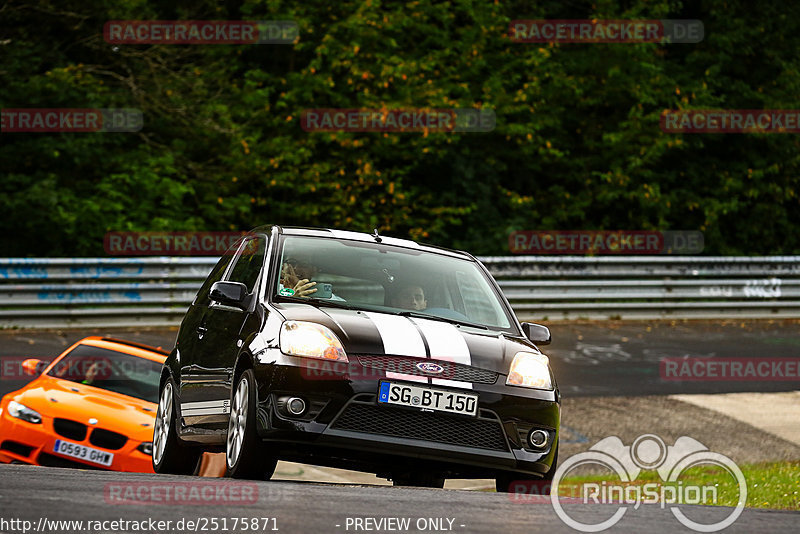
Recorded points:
386,278
111,370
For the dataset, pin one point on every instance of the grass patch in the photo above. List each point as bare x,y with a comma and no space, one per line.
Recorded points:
774,485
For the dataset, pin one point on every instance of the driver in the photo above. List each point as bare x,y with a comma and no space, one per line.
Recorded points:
91,373
411,297
297,274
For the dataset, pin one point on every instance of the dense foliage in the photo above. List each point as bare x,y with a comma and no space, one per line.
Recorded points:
577,143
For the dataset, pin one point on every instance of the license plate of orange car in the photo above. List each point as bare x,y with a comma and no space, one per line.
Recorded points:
82,452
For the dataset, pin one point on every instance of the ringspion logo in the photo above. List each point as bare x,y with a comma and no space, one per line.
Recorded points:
648,452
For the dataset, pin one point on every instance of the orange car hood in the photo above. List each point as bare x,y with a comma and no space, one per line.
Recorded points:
53,397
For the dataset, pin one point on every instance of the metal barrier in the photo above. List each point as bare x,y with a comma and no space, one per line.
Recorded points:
103,292
98,292
650,287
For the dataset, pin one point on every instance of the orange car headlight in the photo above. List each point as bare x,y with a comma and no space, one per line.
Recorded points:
20,411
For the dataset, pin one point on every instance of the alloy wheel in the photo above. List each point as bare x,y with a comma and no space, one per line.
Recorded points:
163,422
238,422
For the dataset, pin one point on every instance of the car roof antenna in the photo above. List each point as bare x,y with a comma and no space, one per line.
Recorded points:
378,238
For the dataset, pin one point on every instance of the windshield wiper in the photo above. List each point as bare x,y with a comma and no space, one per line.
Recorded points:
439,318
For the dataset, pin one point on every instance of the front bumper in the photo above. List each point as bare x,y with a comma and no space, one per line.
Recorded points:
343,420
35,444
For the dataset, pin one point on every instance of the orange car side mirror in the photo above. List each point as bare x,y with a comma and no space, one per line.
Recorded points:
32,366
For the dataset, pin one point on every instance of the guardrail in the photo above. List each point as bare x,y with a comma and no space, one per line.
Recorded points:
96,292
155,291
650,287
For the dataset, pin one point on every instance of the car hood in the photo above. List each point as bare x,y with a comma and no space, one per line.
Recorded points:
374,333
53,397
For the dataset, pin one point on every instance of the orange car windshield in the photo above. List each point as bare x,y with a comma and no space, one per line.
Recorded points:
110,370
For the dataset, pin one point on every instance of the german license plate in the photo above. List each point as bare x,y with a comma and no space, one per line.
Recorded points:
82,452
428,398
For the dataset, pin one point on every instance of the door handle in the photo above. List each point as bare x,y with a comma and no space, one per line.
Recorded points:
201,331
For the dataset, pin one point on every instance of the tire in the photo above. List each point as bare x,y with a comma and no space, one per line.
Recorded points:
420,480
169,454
245,454
509,481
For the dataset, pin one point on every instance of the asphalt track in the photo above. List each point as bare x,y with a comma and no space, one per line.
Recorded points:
600,368
48,494
589,359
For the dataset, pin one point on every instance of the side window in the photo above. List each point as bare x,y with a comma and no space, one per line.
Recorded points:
216,274
249,262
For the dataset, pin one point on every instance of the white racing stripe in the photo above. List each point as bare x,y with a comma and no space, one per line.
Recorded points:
400,338
203,404
447,344
215,407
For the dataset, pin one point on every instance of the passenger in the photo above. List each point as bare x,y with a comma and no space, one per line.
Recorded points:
411,297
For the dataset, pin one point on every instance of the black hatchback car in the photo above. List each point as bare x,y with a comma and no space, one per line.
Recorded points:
357,351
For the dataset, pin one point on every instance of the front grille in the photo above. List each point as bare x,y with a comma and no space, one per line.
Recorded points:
479,433
50,460
107,439
407,366
16,448
70,429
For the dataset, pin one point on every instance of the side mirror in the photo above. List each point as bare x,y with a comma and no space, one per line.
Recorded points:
33,367
537,333
230,293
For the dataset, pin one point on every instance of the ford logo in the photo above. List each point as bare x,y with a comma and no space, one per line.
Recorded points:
429,367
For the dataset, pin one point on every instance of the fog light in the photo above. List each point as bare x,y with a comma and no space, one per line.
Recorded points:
296,406
538,438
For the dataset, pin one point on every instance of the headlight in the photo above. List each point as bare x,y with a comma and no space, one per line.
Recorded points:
146,448
311,340
20,411
530,370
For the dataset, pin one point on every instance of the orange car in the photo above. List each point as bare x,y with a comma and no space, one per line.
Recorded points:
93,407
